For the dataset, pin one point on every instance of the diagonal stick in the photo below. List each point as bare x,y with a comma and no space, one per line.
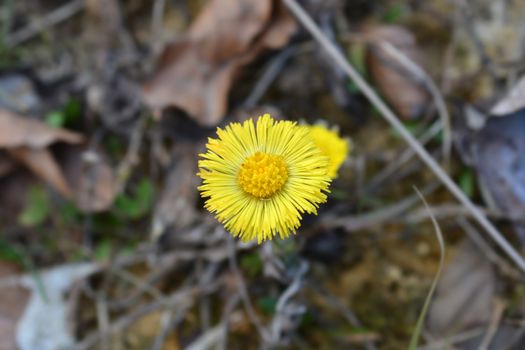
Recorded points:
390,117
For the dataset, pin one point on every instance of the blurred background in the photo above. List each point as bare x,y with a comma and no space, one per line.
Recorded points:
106,104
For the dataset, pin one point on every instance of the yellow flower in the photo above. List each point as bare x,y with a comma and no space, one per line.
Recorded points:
331,145
260,177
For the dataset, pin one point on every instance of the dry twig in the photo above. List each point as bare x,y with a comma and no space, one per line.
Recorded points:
36,26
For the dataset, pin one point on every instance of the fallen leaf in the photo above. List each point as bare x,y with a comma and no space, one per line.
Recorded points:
18,131
497,152
513,101
12,305
507,336
41,162
196,72
44,324
401,88
90,174
464,293
26,140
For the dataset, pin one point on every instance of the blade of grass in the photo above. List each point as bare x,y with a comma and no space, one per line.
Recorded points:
419,325
391,118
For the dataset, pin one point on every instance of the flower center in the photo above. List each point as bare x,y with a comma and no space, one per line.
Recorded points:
262,174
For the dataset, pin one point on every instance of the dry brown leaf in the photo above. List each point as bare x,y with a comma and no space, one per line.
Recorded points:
12,305
26,140
401,89
514,100
196,72
18,131
41,162
464,293
91,176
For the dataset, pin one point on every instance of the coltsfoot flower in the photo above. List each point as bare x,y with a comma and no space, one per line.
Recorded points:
331,145
259,178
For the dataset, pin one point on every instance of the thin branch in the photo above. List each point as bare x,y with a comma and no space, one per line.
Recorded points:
157,18
391,118
385,214
38,25
180,300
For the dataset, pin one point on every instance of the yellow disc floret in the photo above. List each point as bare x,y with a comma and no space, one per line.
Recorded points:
262,174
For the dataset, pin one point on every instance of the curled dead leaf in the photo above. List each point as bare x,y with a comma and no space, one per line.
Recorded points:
496,151
464,293
402,89
18,131
41,162
196,72
26,141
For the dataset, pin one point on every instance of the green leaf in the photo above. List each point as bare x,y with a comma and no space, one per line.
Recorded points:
267,304
69,213
412,127
37,207
394,14
72,111
115,145
9,252
103,251
252,264
137,205
466,182
356,56
55,119
65,116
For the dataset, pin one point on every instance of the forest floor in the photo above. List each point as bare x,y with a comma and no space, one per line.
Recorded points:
105,106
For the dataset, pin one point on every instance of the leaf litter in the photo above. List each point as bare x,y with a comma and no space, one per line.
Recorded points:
190,286
196,71
391,76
